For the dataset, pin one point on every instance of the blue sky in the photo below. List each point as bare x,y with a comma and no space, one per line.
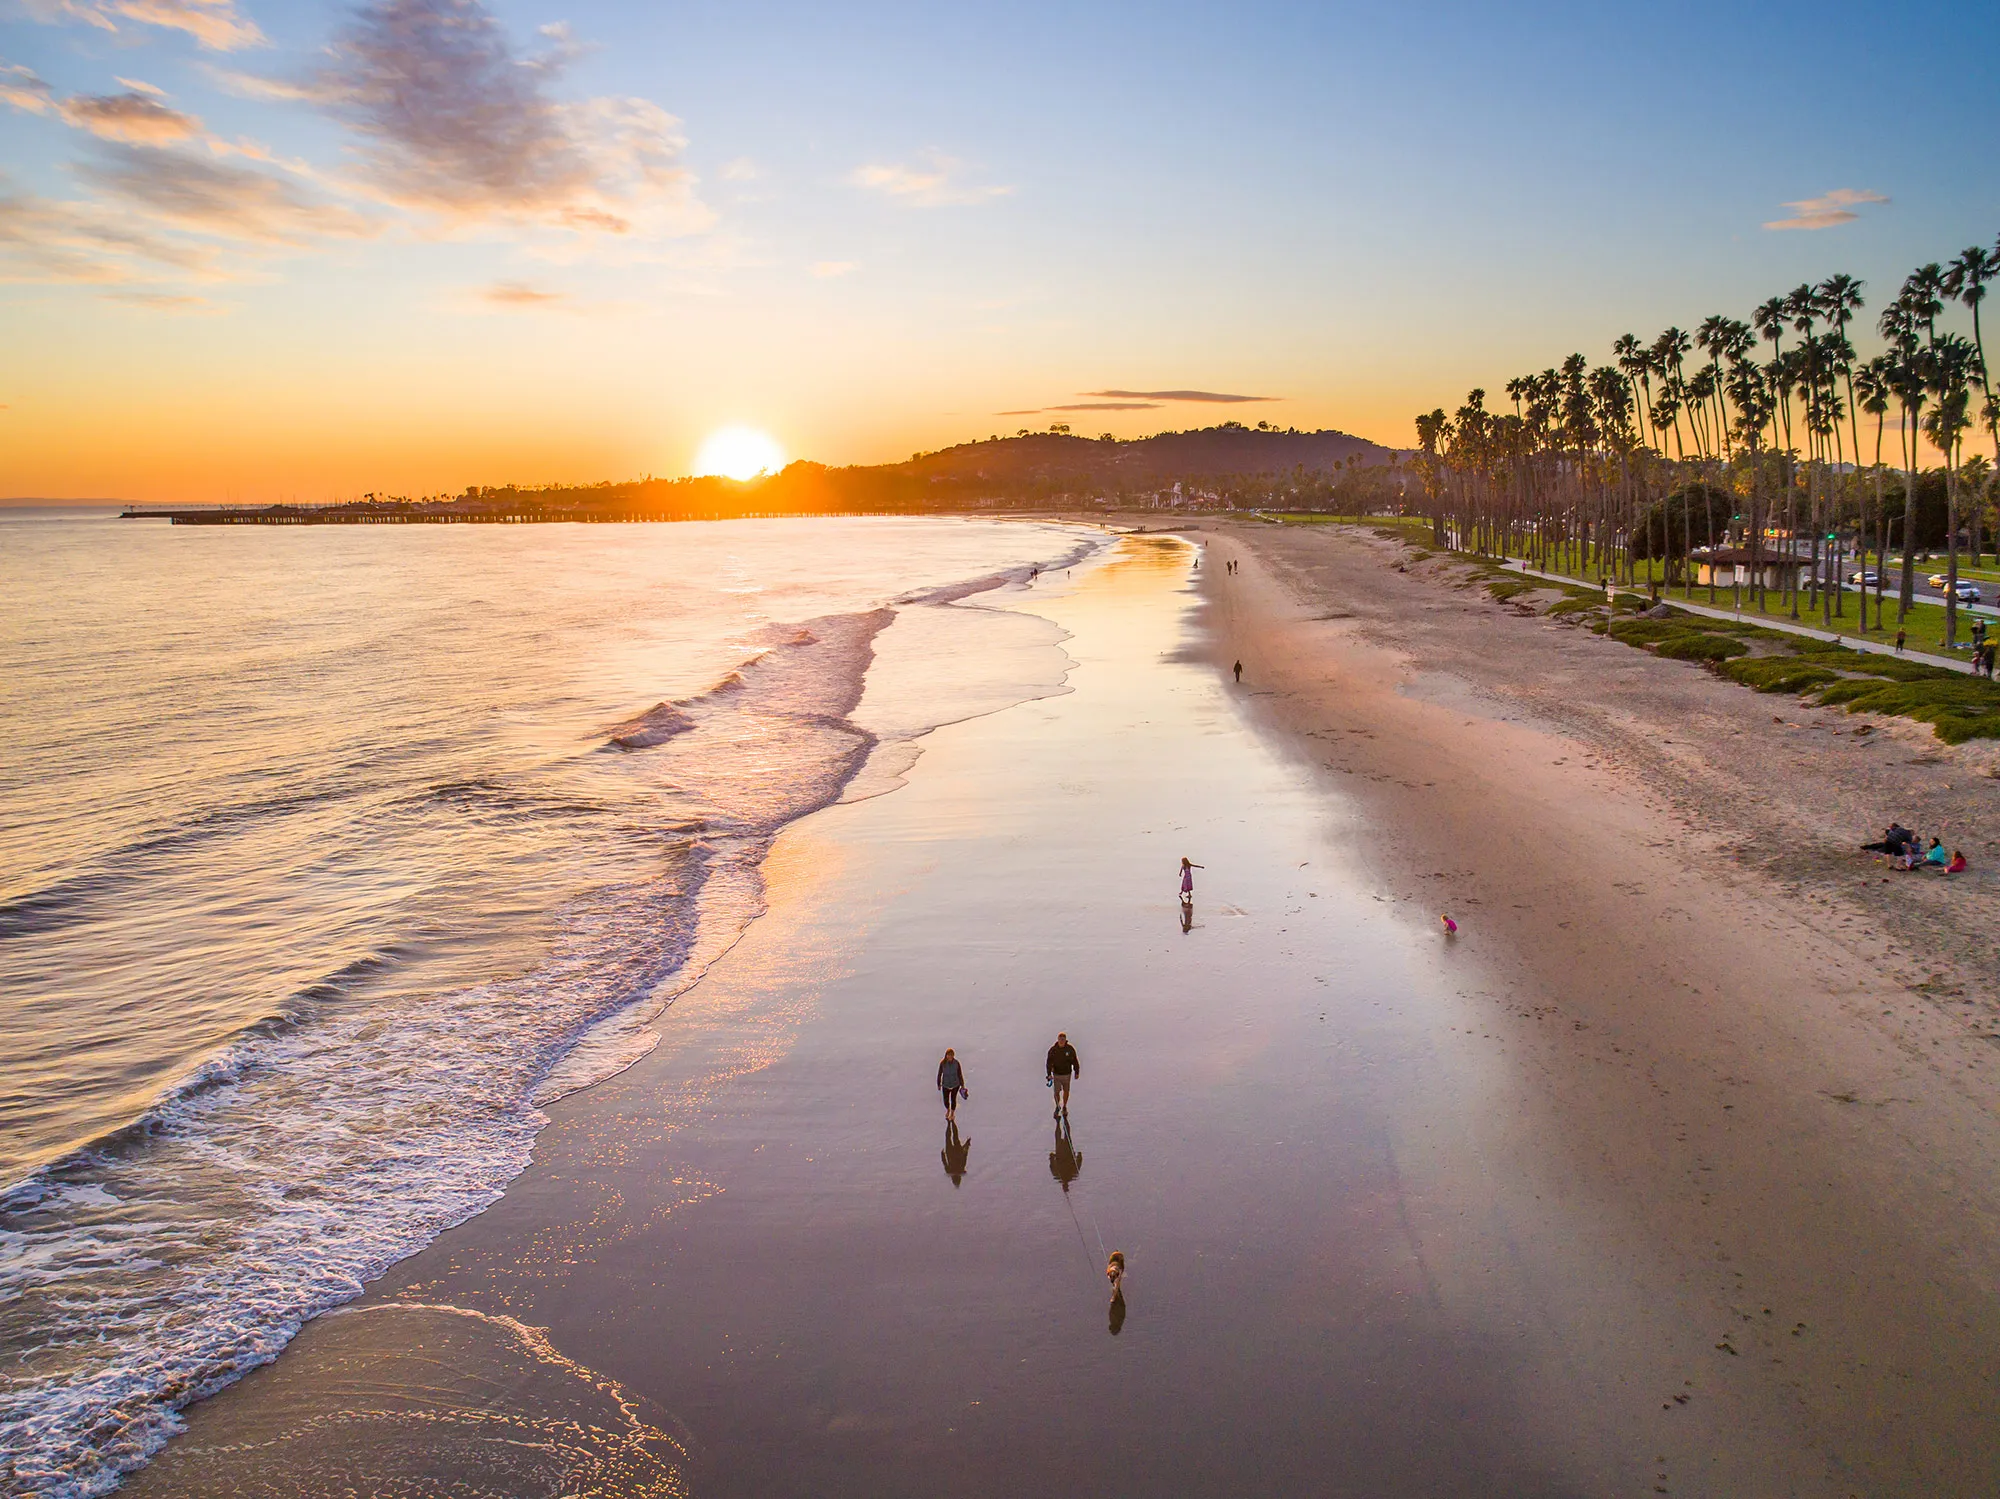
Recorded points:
875,229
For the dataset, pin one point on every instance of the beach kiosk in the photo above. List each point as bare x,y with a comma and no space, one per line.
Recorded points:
1725,567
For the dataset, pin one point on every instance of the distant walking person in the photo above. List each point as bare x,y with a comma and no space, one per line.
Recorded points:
1239,673
1901,637
1063,1066
1187,880
951,1083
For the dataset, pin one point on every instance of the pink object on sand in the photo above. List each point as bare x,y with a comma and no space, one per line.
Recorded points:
1450,926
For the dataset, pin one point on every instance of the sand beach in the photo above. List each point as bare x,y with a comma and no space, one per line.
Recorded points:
1658,1177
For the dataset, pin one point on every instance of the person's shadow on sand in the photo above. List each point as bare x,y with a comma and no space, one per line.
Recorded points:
1065,1161
1117,1315
1187,917
954,1153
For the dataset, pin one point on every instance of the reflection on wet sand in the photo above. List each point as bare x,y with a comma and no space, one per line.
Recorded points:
1065,1161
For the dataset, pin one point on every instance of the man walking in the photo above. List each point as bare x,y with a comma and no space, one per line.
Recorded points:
1063,1066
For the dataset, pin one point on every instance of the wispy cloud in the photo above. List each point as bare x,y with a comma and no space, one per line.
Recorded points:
1221,398
935,183
256,86
138,119
220,199
215,24
165,301
42,239
517,296
740,169
827,269
1836,207
1086,406
24,89
452,122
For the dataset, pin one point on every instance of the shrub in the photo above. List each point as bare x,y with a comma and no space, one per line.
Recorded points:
1694,647
1778,674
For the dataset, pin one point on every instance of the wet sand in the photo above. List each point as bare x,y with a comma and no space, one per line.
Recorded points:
1559,1207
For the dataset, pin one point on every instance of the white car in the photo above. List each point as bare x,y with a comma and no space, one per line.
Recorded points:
1968,593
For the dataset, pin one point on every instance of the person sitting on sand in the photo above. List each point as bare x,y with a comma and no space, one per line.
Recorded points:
1957,864
1895,839
1937,856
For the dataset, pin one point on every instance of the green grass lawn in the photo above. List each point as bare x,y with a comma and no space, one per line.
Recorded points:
1924,624
1956,706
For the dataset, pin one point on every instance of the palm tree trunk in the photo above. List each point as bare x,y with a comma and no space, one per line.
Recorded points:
1950,551
1906,597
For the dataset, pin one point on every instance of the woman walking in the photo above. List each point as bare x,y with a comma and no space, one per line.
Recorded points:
951,1083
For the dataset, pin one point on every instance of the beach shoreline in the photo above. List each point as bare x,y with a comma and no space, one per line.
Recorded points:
1624,1181
1787,1054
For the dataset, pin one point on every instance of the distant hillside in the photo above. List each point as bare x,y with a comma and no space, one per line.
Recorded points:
1229,465
1225,452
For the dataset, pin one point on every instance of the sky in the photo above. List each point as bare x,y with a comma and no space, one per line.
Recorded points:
256,250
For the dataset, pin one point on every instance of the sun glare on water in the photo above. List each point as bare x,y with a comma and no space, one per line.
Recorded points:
739,453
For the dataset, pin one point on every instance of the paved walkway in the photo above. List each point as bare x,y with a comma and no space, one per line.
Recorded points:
1876,647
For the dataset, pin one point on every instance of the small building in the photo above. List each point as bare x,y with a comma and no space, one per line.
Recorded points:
1727,567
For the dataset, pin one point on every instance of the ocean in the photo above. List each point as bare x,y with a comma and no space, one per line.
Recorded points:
328,856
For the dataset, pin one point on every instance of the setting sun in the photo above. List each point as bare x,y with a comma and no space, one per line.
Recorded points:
739,453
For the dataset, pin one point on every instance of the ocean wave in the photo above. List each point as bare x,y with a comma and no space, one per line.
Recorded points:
656,725
344,1132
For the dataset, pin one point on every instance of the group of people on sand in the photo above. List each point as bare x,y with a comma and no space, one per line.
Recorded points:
1902,849
1061,1068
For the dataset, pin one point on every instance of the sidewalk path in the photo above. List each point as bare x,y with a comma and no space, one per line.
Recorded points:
1879,648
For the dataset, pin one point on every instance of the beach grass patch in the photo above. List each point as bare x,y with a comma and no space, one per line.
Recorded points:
1700,647
1576,603
1647,631
1957,708
1778,673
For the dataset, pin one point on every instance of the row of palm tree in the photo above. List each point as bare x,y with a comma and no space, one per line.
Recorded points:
1697,439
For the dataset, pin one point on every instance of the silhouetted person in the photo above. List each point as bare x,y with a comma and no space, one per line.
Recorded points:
1239,673
1063,1066
954,1153
1065,1161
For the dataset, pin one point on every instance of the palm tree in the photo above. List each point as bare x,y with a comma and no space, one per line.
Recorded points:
1839,299
1632,362
1965,279
1951,366
1873,383
1901,325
